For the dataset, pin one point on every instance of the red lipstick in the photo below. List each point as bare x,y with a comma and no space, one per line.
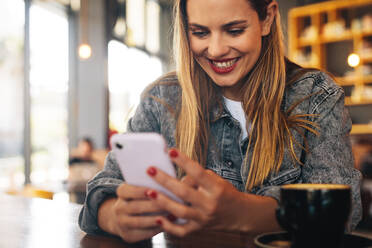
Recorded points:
223,70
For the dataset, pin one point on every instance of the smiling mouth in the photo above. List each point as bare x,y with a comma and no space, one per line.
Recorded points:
223,66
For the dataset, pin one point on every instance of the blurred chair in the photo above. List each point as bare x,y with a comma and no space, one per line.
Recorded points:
85,161
78,176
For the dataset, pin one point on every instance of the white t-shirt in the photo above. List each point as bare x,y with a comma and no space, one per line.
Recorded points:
236,110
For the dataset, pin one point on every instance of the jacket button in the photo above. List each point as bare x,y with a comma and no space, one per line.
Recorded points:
229,163
230,124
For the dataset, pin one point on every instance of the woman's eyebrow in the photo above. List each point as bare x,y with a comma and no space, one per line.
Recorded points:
197,26
227,25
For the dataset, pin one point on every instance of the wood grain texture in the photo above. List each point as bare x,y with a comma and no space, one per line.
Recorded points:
37,223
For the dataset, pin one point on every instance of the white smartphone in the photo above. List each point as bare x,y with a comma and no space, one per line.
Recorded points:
136,152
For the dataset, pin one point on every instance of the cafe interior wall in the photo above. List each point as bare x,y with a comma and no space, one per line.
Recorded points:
88,109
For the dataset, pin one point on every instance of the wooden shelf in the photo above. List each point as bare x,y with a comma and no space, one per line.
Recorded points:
353,80
361,129
327,6
366,59
350,102
304,42
367,79
346,36
366,33
346,81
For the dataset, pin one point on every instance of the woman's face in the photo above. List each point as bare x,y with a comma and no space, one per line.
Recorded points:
225,38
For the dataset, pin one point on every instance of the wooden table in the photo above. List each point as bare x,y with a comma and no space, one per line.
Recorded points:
38,223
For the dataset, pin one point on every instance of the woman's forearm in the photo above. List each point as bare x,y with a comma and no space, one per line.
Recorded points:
257,214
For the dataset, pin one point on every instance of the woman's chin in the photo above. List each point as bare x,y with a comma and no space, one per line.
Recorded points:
225,81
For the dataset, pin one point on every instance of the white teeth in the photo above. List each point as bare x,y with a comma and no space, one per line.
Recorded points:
223,65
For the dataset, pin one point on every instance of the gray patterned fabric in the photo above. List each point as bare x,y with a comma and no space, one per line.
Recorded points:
329,159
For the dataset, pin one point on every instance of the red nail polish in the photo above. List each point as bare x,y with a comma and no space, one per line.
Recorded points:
152,194
151,171
159,222
171,217
173,153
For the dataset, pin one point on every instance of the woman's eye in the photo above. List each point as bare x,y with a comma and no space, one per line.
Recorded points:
235,31
199,34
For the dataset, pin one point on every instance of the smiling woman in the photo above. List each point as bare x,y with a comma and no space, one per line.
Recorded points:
241,120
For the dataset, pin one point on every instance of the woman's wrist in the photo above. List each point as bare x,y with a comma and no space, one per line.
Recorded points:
258,214
106,218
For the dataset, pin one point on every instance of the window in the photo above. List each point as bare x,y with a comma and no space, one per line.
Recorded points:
130,70
11,93
49,93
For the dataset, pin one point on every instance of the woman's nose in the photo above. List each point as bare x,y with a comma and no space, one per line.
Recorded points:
217,47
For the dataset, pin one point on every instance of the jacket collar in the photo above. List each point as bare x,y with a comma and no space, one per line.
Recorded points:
219,111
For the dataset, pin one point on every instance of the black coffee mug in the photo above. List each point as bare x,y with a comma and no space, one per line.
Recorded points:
315,215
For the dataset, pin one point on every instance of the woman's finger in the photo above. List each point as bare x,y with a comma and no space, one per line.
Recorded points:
142,207
184,192
135,235
176,229
192,168
189,181
138,222
177,209
130,192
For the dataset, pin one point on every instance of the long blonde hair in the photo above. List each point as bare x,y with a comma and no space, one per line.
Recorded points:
270,133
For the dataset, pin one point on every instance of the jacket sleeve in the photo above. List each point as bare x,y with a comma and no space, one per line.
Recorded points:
105,183
330,159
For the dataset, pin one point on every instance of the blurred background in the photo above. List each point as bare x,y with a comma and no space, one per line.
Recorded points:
71,73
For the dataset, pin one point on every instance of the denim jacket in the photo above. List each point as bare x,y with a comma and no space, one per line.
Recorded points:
329,159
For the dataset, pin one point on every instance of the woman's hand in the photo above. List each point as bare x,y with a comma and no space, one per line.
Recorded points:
212,202
127,218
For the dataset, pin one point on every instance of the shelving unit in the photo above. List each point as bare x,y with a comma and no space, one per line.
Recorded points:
322,36
350,102
361,129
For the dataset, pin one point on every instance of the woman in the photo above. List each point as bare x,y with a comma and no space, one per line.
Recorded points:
245,121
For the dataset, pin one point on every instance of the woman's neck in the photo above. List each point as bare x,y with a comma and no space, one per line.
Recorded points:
234,92
230,95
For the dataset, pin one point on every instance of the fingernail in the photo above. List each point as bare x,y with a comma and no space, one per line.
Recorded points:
151,171
171,217
173,153
152,194
159,222
147,193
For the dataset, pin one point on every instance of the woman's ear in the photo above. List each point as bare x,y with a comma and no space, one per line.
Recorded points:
271,13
